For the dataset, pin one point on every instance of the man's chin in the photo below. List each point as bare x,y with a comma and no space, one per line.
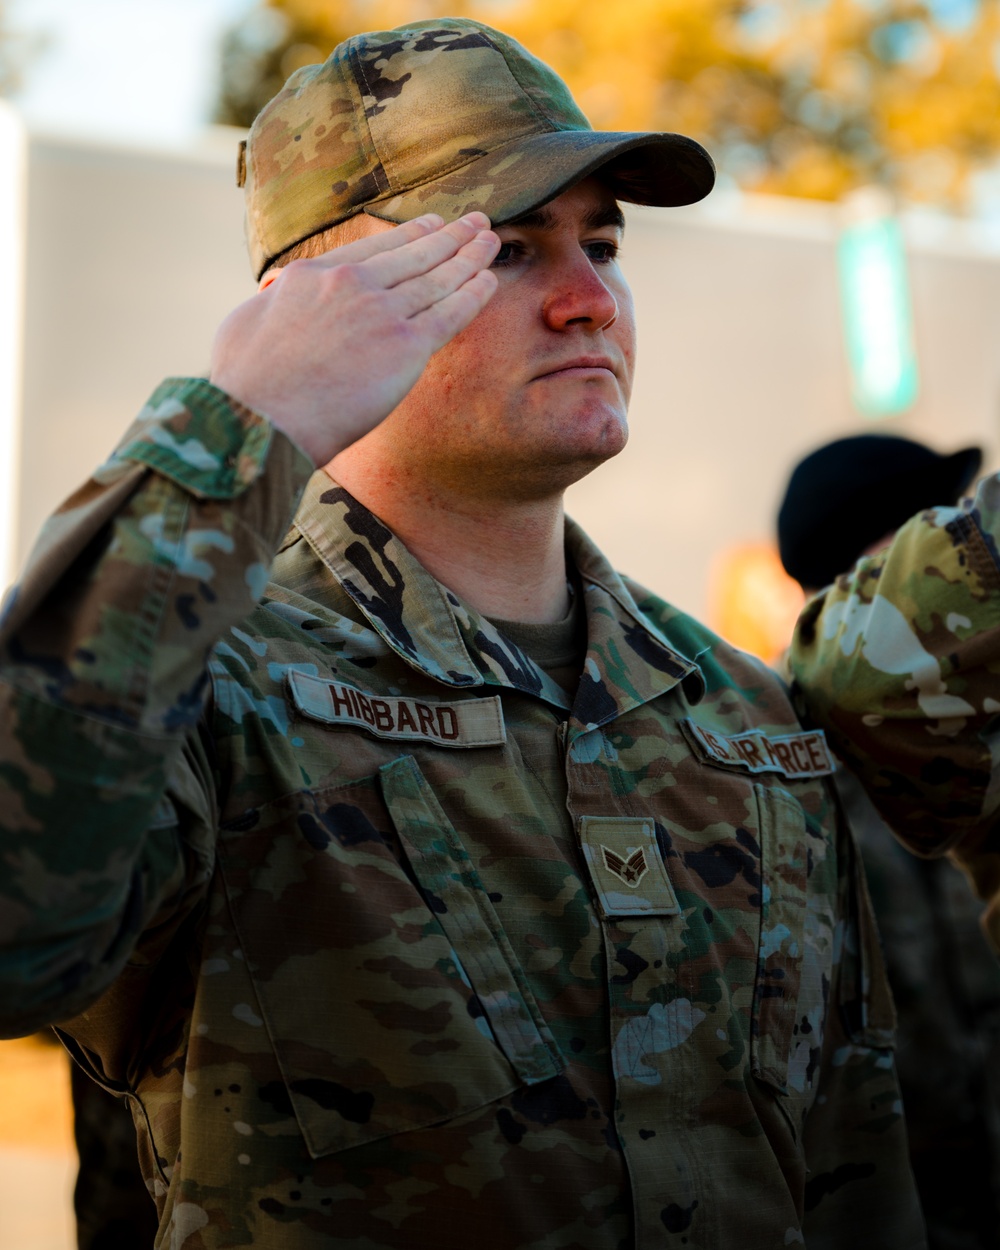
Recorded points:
597,437
554,468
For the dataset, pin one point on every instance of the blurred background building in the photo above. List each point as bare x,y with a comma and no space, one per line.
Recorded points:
846,271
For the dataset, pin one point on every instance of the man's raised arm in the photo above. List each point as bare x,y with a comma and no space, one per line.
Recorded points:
900,662
104,643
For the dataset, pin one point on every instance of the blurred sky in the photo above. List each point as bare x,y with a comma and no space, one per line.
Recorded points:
139,70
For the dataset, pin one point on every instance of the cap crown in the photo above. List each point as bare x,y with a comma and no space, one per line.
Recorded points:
386,113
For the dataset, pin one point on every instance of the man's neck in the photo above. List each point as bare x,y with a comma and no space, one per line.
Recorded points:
506,559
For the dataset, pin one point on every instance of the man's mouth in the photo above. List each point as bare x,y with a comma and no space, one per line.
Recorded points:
579,366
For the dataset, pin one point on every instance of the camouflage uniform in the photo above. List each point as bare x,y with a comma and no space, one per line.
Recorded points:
945,982
388,946
898,661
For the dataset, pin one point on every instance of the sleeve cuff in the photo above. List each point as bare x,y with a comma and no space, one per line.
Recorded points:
200,438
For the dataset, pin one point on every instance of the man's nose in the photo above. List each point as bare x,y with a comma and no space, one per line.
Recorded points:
579,296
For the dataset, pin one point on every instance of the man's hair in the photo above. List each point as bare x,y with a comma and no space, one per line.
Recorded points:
316,244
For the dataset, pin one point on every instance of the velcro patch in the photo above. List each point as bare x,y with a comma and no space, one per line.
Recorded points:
794,756
626,866
460,723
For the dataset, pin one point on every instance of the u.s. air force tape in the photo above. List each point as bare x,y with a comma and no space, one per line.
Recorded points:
454,723
798,755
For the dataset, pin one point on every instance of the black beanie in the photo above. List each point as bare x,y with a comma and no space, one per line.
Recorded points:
850,493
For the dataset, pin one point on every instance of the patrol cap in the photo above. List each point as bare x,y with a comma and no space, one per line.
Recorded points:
850,493
443,116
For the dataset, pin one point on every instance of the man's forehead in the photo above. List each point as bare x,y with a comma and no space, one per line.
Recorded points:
591,203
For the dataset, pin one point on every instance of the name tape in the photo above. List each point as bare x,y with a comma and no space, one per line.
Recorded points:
463,723
803,754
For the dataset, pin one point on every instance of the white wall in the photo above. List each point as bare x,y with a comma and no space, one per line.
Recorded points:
133,257
13,208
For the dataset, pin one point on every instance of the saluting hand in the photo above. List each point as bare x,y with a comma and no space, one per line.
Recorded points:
333,344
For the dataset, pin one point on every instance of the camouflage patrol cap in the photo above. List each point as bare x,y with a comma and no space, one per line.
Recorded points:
441,116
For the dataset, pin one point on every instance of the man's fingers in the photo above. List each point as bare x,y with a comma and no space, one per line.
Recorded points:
366,248
428,288
426,252
396,254
383,241
448,316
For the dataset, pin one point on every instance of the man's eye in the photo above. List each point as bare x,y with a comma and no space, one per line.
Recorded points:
504,256
602,251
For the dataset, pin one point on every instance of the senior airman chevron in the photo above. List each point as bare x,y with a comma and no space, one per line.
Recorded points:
622,851
792,755
457,723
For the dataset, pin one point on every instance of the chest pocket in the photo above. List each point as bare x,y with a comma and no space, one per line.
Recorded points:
819,952
389,990
795,950
866,1004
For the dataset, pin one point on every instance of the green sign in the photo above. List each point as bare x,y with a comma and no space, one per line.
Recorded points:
875,300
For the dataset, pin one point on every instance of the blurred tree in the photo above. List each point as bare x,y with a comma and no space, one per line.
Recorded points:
280,36
11,56
797,97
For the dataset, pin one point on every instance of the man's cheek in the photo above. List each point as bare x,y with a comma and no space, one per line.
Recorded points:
625,334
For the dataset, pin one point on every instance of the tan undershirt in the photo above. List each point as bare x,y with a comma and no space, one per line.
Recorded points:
559,648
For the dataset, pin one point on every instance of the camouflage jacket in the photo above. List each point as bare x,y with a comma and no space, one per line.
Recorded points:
899,661
386,944
945,982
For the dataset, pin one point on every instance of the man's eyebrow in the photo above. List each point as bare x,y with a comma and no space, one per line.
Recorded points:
544,219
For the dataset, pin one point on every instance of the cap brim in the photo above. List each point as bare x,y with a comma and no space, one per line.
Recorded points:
662,169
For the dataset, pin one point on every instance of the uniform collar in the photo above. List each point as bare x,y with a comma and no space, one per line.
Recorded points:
629,661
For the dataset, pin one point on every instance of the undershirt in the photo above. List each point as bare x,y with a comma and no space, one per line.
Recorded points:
558,648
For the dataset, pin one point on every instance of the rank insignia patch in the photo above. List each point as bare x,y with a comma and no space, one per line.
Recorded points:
629,874
631,870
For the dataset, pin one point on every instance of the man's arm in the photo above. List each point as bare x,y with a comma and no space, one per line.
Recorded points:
104,643
900,662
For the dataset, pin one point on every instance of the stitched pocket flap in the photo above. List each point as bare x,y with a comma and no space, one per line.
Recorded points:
463,909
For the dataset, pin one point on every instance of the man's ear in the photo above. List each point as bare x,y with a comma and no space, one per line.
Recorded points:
267,279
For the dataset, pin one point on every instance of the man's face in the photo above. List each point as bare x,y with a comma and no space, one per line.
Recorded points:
534,393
